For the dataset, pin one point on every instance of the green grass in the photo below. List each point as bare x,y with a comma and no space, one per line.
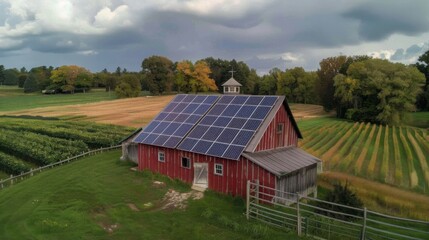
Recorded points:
339,143
14,99
77,200
418,119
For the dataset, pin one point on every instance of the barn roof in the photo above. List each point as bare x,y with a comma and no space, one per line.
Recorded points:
282,161
232,82
216,125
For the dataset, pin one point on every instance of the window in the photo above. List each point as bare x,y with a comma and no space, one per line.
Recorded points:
280,128
218,169
186,162
236,89
161,156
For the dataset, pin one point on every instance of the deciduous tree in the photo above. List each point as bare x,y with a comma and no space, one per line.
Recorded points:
67,77
158,71
194,77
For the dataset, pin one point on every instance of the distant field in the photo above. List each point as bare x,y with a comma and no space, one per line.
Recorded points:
418,119
394,155
100,198
13,98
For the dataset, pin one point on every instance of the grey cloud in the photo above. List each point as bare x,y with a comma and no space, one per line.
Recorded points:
380,19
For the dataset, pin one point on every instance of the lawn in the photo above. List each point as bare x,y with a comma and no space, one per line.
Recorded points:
13,98
418,119
91,198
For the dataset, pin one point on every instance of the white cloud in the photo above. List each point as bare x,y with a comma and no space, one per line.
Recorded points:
382,54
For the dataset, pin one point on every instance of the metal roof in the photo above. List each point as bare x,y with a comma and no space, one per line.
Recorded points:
232,82
282,161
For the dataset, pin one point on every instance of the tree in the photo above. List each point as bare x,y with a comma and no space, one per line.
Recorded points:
194,78
129,86
344,196
21,79
2,77
11,76
379,91
68,77
423,66
158,71
329,68
30,84
42,76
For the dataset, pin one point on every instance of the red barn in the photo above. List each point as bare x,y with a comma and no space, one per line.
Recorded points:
220,142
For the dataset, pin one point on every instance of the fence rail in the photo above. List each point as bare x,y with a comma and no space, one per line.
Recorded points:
326,220
14,179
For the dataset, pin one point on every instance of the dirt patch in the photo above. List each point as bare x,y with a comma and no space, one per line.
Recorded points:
134,112
176,200
133,207
110,228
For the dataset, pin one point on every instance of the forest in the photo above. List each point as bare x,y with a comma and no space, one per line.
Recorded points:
359,88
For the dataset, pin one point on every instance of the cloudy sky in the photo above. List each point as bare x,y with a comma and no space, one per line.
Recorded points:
99,34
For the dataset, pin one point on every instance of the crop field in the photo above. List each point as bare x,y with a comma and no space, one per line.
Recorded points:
397,156
26,143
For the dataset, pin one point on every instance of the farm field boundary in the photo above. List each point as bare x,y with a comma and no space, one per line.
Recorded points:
333,221
15,179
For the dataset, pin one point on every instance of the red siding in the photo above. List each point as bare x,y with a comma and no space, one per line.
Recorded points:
235,173
270,141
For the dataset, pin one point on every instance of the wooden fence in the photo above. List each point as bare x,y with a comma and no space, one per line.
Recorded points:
14,179
306,216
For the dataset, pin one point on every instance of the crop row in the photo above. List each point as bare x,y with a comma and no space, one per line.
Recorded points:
38,148
12,165
394,155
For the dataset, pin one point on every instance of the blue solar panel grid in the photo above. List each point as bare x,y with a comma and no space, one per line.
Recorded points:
176,120
228,126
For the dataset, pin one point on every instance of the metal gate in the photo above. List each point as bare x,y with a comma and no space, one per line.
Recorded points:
327,220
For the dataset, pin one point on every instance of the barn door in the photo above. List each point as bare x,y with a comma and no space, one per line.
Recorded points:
201,171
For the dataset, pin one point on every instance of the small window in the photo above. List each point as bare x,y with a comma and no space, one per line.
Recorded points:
279,128
218,170
161,156
186,162
236,89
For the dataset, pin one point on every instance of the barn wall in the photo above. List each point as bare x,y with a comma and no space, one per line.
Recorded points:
302,181
270,140
235,173
129,151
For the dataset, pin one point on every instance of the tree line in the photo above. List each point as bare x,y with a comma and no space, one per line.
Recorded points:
356,87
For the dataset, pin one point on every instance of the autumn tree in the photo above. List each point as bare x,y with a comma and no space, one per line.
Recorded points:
158,71
194,77
379,91
67,78
128,86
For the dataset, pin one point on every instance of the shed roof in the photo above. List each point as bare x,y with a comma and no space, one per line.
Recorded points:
282,161
232,82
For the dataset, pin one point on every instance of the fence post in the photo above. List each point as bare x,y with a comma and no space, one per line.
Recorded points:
364,224
298,216
248,199
257,191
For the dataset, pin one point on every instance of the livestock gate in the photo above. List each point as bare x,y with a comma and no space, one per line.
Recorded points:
293,211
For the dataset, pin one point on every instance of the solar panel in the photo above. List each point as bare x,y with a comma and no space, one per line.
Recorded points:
175,121
228,126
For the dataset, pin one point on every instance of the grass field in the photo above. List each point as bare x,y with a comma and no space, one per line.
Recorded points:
91,199
398,156
13,98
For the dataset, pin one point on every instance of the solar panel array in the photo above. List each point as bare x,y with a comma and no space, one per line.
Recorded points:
176,120
229,126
